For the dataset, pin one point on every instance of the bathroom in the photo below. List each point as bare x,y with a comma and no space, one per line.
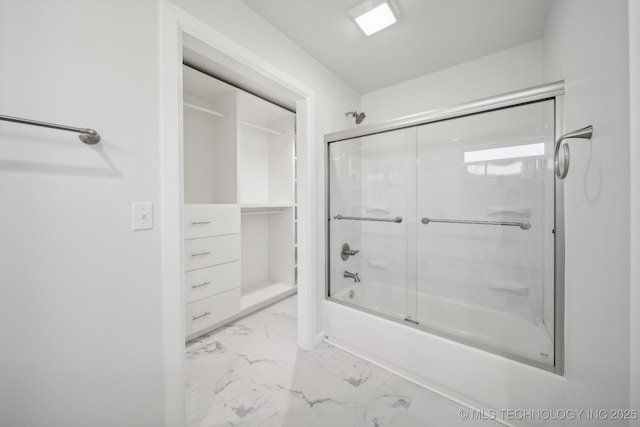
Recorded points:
92,324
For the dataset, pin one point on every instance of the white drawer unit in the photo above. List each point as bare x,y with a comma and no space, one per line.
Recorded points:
211,281
210,251
206,312
212,265
210,220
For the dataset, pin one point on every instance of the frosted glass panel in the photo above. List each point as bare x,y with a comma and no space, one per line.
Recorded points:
481,282
368,180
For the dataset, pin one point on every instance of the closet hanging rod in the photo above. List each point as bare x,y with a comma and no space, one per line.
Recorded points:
523,225
397,219
88,136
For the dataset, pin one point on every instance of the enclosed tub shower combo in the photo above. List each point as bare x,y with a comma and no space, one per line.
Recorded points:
451,221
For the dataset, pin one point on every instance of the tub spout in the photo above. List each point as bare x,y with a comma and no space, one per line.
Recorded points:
353,276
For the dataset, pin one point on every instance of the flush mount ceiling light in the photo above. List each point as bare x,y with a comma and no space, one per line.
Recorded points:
375,15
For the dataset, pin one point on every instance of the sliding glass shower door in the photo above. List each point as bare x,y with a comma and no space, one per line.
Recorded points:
449,226
368,227
485,242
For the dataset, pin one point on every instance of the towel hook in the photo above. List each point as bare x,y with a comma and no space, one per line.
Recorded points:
561,172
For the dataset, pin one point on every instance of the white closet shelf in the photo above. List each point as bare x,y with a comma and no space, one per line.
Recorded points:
265,206
263,209
262,128
263,212
205,110
263,293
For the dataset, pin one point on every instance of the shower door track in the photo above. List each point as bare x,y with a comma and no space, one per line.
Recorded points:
551,91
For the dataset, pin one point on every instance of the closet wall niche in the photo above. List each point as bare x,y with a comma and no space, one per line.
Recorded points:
239,186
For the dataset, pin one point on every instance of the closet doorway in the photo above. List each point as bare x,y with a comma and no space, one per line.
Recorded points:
185,37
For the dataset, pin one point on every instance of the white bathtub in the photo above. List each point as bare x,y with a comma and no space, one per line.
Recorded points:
481,325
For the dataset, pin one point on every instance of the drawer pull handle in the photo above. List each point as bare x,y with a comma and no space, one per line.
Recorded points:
205,314
200,222
200,285
201,254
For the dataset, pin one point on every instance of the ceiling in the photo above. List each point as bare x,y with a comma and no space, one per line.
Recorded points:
432,35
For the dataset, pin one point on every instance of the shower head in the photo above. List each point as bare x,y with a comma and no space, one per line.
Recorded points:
358,116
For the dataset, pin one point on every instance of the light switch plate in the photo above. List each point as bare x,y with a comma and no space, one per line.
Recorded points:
142,216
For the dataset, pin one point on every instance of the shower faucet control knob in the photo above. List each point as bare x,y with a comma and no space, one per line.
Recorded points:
346,252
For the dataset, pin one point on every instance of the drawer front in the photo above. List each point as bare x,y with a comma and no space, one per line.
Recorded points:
210,251
208,311
210,220
211,281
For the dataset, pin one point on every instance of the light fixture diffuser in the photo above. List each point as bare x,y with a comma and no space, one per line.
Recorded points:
375,15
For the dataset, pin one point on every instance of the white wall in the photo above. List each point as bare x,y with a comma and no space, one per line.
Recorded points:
333,97
80,301
80,316
508,70
586,44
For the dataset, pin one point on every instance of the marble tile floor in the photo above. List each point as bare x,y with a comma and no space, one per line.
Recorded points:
251,373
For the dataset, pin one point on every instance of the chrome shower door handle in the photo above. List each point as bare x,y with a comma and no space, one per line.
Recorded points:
562,167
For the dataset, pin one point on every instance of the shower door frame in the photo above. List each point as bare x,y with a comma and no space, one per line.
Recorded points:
547,92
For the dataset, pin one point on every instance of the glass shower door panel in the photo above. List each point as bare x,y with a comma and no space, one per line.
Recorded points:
485,245
367,211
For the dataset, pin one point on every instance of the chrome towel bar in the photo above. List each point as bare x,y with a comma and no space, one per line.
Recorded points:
88,136
561,172
397,219
523,225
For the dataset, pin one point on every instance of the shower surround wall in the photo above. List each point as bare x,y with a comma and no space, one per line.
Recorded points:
585,43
